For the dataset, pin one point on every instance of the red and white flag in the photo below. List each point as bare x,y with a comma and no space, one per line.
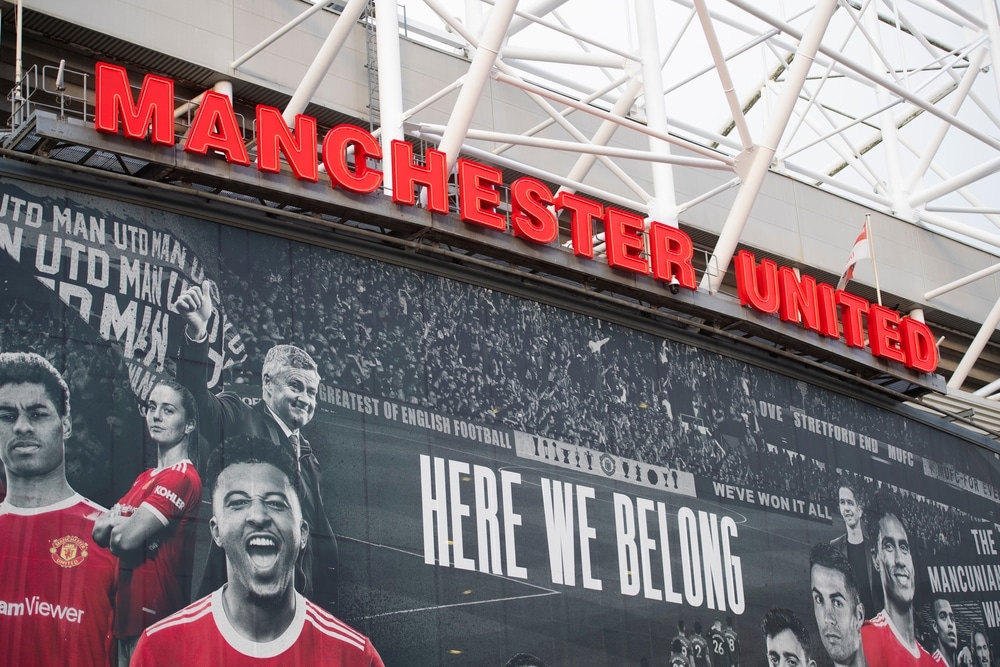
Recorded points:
861,250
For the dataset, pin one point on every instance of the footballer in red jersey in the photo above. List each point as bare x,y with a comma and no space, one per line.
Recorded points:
257,618
889,639
151,529
56,587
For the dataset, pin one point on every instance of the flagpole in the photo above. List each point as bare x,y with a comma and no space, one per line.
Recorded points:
871,249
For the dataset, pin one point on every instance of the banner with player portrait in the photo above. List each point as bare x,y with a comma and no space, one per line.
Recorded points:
473,475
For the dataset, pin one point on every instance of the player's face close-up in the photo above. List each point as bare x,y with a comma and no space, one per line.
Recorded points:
291,394
258,523
785,650
982,647
838,614
944,624
31,430
165,419
895,562
849,508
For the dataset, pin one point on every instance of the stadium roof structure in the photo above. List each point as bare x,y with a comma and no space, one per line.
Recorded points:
722,116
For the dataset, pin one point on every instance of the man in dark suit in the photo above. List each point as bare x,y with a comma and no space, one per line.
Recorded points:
289,385
856,548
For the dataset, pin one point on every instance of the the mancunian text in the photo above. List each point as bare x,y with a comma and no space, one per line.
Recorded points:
632,243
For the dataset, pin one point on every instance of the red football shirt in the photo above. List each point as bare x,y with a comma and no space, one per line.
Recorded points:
201,634
884,648
56,587
160,583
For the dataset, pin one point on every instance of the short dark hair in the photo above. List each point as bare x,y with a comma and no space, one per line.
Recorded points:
883,504
32,368
845,482
525,660
247,448
779,619
697,627
676,646
826,555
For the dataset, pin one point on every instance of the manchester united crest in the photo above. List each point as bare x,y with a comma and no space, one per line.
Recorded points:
68,551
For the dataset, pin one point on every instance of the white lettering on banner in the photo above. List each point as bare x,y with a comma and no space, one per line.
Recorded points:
169,495
557,501
712,576
34,606
442,485
459,500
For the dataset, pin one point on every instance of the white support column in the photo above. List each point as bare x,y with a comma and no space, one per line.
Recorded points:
975,348
929,151
764,153
955,182
961,282
390,85
735,108
321,63
538,8
607,129
664,205
475,81
886,120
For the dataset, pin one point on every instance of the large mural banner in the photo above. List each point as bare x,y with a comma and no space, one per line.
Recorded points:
273,453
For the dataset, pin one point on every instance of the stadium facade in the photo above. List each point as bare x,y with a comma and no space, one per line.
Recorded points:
584,369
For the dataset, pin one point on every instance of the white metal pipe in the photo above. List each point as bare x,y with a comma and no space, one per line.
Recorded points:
955,182
561,28
576,147
860,73
607,129
851,155
624,122
977,205
962,282
988,238
390,84
274,36
826,179
553,113
475,81
539,8
664,204
707,195
474,16
988,390
722,67
324,58
18,63
971,17
894,167
532,170
976,348
564,57
954,19
763,153
928,152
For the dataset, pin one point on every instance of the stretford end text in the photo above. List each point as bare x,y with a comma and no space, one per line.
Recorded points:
655,249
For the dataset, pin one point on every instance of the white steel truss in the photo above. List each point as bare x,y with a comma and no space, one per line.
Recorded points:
893,103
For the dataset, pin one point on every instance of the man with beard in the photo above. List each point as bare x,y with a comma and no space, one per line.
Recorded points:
839,612
257,619
890,638
786,639
853,545
981,648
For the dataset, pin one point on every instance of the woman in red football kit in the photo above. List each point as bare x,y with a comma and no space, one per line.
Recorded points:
151,529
